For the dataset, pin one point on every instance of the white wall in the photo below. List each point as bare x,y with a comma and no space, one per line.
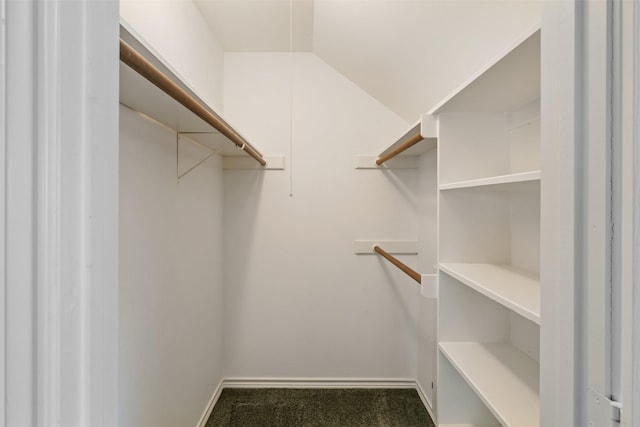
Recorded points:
170,279
410,54
171,237
298,302
179,34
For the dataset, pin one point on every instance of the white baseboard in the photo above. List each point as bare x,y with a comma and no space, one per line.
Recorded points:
318,383
425,401
212,402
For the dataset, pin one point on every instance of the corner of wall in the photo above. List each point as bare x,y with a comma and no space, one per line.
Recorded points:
179,33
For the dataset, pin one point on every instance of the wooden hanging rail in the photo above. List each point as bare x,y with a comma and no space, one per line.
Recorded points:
138,63
400,148
395,261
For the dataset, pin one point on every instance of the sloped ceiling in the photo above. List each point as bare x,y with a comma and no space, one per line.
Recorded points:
408,54
260,25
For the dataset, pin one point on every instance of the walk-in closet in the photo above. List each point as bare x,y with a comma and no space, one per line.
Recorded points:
413,213
329,194
253,267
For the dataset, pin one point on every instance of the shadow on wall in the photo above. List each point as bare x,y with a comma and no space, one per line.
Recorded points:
395,285
404,182
242,197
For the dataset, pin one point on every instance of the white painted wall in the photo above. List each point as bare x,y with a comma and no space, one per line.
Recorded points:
410,54
170,279
180,35
260,26
298,302
171,237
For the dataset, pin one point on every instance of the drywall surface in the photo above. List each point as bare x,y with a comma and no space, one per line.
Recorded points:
178,33
170,279
261,26
427,259
410,54
298,302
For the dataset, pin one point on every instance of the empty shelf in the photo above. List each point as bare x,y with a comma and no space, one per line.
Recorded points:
511,287
515,178
417,140
504,378
161,95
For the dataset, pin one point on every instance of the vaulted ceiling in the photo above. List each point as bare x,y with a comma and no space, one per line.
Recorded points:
260,25
408,54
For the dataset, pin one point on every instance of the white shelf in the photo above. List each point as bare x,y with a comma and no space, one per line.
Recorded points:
504,378
427,127
508,81
506,181
509,286
140,95
428,143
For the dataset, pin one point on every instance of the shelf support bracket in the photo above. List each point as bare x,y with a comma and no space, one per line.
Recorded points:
181,174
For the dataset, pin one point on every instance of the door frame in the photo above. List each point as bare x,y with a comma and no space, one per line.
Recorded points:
59,154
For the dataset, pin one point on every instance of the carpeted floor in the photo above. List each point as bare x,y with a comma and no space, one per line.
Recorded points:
319,407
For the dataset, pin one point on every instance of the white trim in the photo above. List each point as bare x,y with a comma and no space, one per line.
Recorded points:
426,402
76,213
48,215
560,146
20,132
212,402
597,206
3,147
101,175
318,383
630,113
635,345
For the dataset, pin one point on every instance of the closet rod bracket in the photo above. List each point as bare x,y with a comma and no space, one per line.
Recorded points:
180,174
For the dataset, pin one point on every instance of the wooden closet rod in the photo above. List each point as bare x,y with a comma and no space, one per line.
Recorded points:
395,261
400,148
138,63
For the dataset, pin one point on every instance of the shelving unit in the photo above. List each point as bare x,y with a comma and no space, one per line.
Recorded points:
489,178
427,141
146,98
403,153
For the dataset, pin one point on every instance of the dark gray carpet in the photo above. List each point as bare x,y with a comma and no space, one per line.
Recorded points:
319,407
